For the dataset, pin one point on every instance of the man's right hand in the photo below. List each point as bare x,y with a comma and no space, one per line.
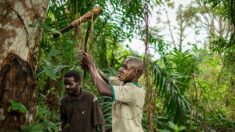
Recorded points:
86,59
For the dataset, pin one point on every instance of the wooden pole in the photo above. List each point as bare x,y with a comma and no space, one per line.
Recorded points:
92,14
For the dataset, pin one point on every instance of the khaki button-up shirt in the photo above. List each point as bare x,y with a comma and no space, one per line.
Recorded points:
127,108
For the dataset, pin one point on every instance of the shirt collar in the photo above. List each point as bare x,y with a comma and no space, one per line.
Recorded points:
136,84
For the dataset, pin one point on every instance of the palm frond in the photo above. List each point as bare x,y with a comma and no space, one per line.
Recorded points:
106,106
174,101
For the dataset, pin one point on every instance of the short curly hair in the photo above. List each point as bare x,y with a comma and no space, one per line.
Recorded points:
74,74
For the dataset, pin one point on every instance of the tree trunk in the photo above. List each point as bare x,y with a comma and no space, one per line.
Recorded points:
19,46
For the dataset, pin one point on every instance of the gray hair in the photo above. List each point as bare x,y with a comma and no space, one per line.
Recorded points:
137,62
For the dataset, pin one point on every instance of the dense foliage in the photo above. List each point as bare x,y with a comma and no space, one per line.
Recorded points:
192,90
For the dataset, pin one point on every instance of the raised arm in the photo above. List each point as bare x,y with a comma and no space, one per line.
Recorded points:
100,83
105,78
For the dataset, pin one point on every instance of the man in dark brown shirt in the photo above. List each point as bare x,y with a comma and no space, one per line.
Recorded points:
79,109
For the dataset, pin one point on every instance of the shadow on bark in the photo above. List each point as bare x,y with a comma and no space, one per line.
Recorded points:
16,83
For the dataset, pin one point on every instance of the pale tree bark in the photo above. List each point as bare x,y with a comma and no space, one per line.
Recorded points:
19,46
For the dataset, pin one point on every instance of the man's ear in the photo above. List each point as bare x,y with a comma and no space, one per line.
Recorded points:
136,72
139,72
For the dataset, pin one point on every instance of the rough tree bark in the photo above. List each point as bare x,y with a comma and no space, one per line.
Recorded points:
19,46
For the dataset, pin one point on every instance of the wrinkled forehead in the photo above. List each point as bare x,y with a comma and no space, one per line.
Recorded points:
127,62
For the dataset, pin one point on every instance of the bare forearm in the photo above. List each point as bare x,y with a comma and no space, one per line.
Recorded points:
104,77
101,84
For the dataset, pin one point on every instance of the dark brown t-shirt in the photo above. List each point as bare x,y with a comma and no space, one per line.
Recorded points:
81,112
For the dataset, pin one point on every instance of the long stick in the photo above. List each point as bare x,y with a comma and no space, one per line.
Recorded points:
87,36
85,48
88,16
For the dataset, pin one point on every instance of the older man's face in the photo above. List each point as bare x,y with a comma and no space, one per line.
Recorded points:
127,72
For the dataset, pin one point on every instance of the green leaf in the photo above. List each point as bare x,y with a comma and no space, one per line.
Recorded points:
32,25
172,125
15,106
165,130
182,128
53,52
32,128
48,124
51,74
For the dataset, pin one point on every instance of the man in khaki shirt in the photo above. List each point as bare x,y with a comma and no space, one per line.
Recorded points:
128,96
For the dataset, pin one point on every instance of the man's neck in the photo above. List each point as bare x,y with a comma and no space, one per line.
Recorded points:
77,93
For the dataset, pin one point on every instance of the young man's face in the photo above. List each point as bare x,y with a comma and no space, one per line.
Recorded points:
71,86
127,72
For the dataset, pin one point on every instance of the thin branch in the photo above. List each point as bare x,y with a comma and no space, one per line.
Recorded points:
169,26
